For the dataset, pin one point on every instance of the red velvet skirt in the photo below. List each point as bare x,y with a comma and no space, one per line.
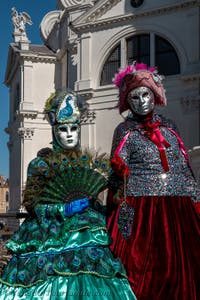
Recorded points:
162,255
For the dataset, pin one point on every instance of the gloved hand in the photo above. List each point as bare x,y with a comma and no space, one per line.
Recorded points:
75,207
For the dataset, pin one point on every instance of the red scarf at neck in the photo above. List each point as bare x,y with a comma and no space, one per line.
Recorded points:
152,130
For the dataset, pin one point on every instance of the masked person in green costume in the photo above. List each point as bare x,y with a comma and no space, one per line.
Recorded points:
61,251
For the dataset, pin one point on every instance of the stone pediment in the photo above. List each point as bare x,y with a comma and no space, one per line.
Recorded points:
96,12
74,3
101,13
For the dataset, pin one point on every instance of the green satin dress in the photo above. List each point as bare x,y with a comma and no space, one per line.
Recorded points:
59,257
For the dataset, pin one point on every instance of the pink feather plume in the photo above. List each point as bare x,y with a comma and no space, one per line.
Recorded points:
131,69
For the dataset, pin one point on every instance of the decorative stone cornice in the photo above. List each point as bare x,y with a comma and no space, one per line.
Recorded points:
191,77
86,94
26,133
71,3
90,19
96,12
27,114
38,58
48,22
88,117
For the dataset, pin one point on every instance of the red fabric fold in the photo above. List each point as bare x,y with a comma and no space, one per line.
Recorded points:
153,132
197,206
162,255
119,166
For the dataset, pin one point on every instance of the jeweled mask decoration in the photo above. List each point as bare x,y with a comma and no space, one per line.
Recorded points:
63,111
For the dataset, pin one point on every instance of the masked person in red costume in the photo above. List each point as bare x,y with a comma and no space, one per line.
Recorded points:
155,223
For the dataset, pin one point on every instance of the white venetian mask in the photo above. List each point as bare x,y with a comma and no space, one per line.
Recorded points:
67,135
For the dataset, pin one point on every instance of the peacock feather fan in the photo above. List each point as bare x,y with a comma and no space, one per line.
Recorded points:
74,175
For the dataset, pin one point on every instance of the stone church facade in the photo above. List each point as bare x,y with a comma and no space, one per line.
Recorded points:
84,43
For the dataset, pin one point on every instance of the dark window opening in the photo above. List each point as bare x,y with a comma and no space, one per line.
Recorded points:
166,58
7,196
138,49
111,66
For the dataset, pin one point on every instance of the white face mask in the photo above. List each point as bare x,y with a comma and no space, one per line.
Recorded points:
141,100
67,135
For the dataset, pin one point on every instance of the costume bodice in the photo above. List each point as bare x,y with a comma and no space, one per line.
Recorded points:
147,176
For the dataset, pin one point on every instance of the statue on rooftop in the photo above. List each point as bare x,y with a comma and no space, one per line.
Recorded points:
19,22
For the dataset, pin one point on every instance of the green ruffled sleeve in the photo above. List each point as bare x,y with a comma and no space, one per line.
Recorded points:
37,174
49,211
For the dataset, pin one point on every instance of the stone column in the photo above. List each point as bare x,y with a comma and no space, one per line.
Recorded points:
84,81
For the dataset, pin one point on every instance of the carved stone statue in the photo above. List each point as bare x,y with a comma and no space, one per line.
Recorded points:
19,22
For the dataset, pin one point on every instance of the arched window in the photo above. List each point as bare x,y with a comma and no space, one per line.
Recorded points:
147,48
166,58
138,48
111,66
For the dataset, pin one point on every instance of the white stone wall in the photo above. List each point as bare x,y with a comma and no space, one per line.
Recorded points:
28,130
42,79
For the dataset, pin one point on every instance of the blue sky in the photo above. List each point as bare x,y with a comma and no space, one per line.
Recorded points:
36,9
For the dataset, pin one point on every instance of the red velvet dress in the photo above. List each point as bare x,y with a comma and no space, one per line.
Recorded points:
161,252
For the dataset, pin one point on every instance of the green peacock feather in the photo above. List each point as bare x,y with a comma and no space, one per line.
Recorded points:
74,175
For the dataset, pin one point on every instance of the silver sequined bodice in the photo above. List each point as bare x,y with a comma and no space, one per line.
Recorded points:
147,177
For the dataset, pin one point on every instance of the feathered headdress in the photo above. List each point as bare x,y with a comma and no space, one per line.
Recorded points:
64,107
137,75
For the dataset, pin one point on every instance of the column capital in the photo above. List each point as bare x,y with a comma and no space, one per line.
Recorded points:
26,133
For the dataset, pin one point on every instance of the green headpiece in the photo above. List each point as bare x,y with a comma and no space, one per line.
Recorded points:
64,107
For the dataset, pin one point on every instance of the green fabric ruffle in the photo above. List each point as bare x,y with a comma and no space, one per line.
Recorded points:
52,245
55,232
78,287
29,269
